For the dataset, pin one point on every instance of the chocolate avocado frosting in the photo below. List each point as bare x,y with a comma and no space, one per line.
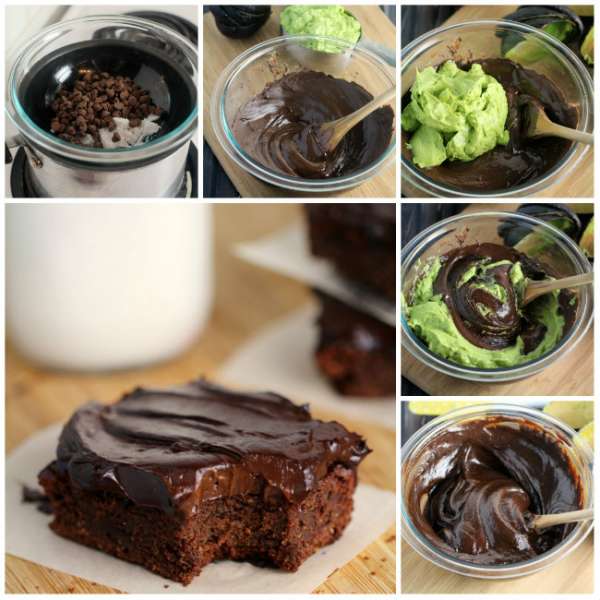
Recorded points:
477,484
279,126
523,159
482,318
171,448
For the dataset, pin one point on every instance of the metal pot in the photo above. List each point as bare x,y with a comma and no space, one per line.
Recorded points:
156,57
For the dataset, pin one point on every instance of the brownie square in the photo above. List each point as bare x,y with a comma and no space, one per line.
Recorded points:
174,479
359,239
355,352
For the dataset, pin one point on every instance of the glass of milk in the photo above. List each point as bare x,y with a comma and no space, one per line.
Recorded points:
111,286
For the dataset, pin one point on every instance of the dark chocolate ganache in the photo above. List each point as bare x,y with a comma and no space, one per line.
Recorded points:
171,448
280,126
523,159
475,283
472,489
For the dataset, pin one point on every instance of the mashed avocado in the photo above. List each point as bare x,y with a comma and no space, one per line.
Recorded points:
430,319
454,114
331,20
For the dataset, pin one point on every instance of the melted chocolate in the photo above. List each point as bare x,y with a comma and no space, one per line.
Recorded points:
523,159
477,484
279,126
503,320
172,448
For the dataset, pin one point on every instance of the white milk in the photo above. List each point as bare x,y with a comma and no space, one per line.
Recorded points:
95,287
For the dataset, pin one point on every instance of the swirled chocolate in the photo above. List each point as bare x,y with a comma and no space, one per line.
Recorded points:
280,126
472,489
466,306
171,448
475,282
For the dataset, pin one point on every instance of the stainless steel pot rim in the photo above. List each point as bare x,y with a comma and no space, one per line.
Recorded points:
242,158
54,145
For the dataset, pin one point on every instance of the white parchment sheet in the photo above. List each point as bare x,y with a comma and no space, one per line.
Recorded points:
281,358
28,536
287,252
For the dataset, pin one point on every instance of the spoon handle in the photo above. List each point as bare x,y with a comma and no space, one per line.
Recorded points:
543,521
340,127
538,288
573,134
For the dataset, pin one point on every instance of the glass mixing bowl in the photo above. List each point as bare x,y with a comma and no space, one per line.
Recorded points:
249,73
578,451
478,39
144,35
558,252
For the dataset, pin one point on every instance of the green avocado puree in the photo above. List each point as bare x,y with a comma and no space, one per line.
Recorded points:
454,114
329,20
429,317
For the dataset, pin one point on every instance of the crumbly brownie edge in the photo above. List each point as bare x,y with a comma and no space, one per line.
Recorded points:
353,372
355,352
263,529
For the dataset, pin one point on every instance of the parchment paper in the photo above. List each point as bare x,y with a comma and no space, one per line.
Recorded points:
281,357
287,252
28,536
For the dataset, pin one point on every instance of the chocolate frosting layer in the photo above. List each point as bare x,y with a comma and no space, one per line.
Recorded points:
477,485
502,320
279,126
172,448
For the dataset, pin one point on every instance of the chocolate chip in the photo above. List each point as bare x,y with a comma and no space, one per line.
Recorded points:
116,137
92,103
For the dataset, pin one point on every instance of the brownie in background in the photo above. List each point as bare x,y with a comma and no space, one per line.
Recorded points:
360,240
356,352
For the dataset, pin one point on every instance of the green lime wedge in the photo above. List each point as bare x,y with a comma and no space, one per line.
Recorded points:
435,408
576,413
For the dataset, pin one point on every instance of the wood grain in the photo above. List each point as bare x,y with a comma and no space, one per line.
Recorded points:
572,375
579,184
572,575
247,298
219,51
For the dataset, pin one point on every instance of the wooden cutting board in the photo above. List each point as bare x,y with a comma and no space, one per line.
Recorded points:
579,184
219,51
572,375
35,398
572,575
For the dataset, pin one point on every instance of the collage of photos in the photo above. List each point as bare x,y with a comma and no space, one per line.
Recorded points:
270,351
200,364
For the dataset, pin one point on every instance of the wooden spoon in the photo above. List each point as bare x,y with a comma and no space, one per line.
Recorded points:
331,133
539,288
543,521
539,125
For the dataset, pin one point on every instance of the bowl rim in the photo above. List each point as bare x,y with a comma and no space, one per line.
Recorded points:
53,144
510,410
574,336
234,151
558,171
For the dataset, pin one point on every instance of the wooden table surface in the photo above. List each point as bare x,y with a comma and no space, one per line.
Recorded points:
247,298
219,51
571,375
572,575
